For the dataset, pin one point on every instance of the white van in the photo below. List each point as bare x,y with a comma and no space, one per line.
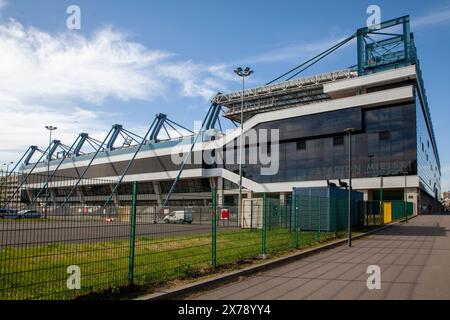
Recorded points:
179,216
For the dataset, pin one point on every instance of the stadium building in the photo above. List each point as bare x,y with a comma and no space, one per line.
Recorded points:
382,98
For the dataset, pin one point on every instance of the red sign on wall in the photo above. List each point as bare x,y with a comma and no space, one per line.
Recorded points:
225,214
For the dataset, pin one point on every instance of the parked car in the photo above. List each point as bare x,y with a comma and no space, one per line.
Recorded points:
8,213
180,216
28,214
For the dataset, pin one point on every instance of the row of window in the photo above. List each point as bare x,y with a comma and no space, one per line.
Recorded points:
339,140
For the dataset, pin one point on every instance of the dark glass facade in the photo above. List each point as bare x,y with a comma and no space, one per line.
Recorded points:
427,161
315,147
187,186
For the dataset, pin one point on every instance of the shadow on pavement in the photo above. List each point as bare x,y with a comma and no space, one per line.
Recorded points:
409,230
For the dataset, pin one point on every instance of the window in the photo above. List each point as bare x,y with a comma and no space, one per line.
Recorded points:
423,148
338,141
384,135
301,145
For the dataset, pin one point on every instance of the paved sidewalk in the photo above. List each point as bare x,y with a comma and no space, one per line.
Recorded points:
414,259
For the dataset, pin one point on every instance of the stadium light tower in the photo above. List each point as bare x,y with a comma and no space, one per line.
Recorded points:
50,129
243,73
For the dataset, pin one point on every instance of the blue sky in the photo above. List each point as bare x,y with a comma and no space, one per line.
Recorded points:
132,60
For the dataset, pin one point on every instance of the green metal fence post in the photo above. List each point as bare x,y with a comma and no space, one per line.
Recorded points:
292,216
296,221
318,220
132,235
270,214
366,213
336,217
263,253
251,215
214,230
285,215
381,204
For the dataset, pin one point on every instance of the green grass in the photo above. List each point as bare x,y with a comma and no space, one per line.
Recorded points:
39,272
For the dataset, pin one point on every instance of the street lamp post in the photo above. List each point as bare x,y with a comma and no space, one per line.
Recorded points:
370,174
349,131
7,166
5,182
243,73
50,129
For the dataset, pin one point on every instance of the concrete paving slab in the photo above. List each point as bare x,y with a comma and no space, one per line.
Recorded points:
414,259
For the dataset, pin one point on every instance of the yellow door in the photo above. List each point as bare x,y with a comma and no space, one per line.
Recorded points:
387,212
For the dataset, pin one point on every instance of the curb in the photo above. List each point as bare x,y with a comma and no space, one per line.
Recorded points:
214,282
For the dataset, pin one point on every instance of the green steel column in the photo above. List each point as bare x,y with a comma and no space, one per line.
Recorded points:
264,226
407,39
214,230
132,235
361,52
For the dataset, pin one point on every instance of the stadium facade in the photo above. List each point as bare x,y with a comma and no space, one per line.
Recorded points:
383,99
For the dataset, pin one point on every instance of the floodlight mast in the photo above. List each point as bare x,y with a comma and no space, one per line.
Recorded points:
243,74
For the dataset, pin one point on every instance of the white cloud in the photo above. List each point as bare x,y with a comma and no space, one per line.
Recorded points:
195,79
224,72
59,79
439,17
297,51
37,65
24,125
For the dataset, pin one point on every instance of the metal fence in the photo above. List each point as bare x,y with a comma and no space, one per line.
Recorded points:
53,249
382,212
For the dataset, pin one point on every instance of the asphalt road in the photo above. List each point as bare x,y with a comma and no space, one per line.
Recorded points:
26,233
414,261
